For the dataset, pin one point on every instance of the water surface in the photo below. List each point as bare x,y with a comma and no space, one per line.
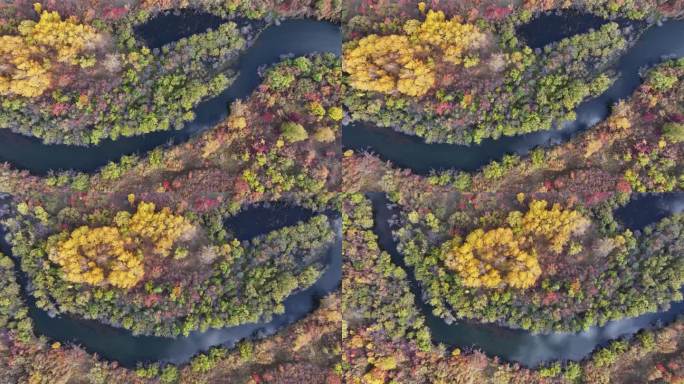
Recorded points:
413,152
121,345
516,345
297,37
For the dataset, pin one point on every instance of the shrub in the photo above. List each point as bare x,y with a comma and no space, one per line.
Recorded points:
293,132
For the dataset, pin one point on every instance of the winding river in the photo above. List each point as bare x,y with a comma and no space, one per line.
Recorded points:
298,37
524,347
306,36
412,152
122,346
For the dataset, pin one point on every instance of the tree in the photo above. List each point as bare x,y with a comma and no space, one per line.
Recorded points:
30,57
508,255
293,132
114,254
325,135
494,259
336,113
674,132
389,64
555,225
406,63
96,255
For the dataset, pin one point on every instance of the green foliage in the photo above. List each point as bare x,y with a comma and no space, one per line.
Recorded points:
169,374
133,91
381,293
272,267
674,132
607,356
661,81
462,182
516,101
573,372
279,79
552,370
13,312
293,132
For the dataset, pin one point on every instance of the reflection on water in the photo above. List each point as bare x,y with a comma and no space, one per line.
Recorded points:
412,152
298,37
121,345
518,345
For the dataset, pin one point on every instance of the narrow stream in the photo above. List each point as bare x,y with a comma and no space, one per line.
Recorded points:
524,347
185,23
537,33
122,346
298,37
412,152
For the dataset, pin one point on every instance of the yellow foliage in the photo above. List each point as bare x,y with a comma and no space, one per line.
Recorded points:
619,122
452,37
237,122
161,228
592,147
554,224
406,63
490,259
389,63
210,147
29,57
114,254
508,255
90,255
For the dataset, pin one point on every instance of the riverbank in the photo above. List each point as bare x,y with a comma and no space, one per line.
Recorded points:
127,349
588,137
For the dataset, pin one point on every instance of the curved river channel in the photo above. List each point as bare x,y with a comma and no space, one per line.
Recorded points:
121,345
298,37
412,152
524,347
306,36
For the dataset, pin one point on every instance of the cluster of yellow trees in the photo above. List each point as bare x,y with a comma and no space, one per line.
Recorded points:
554,224
27,58
406,62
507,256
114,254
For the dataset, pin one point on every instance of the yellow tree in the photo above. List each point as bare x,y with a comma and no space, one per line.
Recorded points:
29,57
494,259
387,64
114,254
554,225
507,256
161,229
406,63
98,255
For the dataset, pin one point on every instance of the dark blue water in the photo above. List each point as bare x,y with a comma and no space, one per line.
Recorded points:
524,347
412,152
264,218
298,37
553,27
121,345
175,25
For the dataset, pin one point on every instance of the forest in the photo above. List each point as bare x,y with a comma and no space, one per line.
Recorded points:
481,82
178,246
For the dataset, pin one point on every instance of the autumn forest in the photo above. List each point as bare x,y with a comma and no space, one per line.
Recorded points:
341,191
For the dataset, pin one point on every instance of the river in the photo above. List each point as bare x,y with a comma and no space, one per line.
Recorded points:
413,152
297,36
121,345
524,347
